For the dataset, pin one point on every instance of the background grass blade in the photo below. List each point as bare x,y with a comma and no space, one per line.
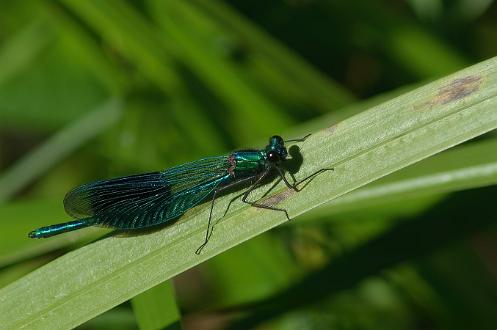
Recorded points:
22,49
153,56
58,147
220,74
142,47
84,47
275,65
368,146
447,220
156,308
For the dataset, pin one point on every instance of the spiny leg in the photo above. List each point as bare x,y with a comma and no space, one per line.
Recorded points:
243,193
231,202
282,176
293,187
295,183
239,195
262,206
311,177
210,228
255,204
277,182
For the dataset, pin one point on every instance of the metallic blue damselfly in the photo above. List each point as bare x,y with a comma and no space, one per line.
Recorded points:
152,199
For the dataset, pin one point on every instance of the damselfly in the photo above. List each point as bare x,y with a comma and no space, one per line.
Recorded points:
151,199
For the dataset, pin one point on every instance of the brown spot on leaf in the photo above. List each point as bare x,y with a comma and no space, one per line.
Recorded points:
458,89
278,198
331,129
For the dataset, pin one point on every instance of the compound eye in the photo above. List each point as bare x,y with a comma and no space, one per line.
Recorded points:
276,140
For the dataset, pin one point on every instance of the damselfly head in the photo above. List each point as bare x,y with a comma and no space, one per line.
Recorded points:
276,150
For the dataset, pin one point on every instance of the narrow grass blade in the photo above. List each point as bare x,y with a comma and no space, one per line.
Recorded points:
20,50
153,55
113,20
467,167
263,266
86,48
57,147
278,66
156,308
219,74
447,221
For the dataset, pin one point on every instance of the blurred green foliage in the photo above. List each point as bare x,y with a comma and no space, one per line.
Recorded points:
93,89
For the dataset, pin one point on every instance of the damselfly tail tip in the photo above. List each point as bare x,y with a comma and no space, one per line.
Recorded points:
33,234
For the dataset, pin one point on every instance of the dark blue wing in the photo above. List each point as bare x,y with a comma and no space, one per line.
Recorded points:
144,200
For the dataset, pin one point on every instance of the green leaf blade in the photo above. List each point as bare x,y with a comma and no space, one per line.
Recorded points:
101,275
